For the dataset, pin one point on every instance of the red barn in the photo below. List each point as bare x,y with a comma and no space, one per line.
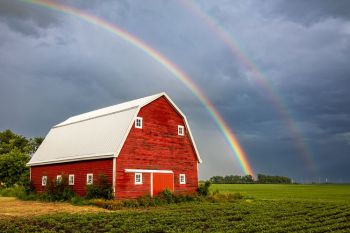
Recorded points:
143,146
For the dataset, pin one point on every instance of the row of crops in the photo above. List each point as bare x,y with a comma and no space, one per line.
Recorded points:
240,216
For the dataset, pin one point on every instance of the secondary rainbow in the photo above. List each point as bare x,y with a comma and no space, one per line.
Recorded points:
171,67
258,76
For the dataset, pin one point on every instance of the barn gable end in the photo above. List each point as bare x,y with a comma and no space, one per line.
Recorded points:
155,148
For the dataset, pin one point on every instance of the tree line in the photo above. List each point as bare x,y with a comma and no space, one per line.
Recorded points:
15,153
248,179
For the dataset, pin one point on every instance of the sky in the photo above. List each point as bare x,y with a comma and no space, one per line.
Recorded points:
283,90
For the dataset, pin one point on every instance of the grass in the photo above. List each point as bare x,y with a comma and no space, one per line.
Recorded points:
312,192
271,208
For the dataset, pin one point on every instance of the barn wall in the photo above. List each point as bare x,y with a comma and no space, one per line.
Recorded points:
79,169
156,146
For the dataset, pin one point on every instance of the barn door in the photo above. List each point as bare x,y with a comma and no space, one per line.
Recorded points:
162,181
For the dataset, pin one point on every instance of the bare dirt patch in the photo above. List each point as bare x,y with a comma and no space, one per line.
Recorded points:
12,207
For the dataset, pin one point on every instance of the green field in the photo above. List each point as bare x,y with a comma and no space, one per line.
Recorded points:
312,192
264,208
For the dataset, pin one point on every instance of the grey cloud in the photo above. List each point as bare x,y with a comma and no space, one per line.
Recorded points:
312,11
80,67
27,18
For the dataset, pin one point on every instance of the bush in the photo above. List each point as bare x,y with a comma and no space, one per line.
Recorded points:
217,196
203,189
58,191
14,191
102,189
163,198
28,187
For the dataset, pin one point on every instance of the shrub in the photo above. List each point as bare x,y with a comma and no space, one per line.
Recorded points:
166,196
217,196
28,187
203,189
13,191
163,198
58,191
101,189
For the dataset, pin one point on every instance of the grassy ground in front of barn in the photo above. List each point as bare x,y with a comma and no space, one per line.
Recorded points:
266,208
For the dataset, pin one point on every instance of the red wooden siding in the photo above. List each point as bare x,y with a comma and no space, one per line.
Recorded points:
156,146
79,169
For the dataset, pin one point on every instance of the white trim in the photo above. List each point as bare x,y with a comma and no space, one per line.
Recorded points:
148,171
136,181
184,181
114,174
87,178
69,176
90,118
180,130
42,181
67,160
59,177
138,126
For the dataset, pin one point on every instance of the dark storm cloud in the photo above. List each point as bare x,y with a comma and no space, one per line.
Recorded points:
78,67
26,18
311,11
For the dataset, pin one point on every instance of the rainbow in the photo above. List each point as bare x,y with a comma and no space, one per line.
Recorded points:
165,62
259,78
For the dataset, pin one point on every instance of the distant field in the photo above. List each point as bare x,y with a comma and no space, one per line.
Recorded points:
326,192
270,208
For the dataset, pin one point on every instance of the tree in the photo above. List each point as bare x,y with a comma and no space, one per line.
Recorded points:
13,168
34,144
14,155
10,141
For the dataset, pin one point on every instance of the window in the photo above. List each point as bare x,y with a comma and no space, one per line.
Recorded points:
59,179
138,178
138,122
180,130
44,180
182,179
71,179
89,178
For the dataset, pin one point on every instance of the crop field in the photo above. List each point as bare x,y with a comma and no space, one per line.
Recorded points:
264,208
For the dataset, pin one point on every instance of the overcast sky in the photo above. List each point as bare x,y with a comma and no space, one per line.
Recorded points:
54,65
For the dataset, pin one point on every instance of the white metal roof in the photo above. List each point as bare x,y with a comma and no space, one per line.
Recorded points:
94,135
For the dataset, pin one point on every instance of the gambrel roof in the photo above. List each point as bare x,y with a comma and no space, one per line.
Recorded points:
95,135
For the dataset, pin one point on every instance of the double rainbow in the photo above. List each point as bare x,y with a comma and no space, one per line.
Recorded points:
258,76
165,62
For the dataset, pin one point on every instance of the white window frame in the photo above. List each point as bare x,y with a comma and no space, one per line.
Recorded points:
180,130
136,125
136,180
43,178
87,178
69,179
184,179
59,179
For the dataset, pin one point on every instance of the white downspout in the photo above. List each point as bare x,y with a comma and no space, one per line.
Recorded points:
151,184
114,175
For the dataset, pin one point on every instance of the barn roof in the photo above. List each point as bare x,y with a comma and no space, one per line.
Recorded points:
95,135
